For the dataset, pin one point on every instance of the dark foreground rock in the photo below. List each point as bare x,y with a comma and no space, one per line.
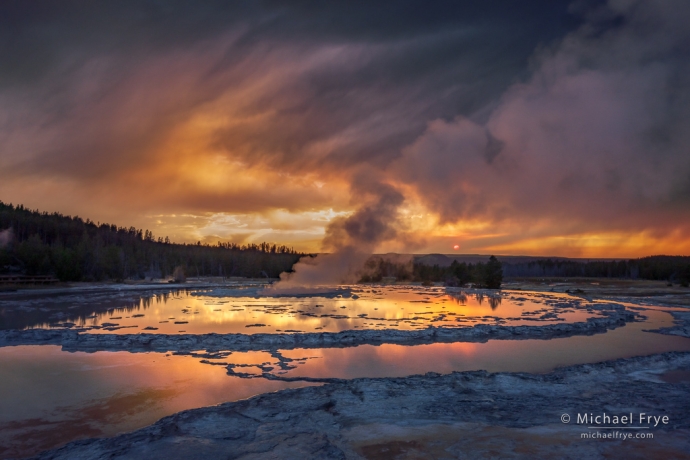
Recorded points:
460,415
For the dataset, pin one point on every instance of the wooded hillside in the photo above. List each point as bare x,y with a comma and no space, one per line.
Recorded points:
74,249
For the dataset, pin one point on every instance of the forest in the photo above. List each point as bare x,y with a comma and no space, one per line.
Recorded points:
73,249
486,275
673,269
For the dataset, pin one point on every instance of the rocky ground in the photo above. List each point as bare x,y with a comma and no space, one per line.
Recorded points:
642,292
657,292
681,327
461,415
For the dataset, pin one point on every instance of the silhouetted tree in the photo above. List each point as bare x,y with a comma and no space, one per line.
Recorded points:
493,274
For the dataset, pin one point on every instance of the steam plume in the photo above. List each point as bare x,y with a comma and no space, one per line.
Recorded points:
351,240
5,237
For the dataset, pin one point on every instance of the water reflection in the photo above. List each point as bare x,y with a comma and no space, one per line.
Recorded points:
535,356
494,300
77,309
460,298
370,307
50,397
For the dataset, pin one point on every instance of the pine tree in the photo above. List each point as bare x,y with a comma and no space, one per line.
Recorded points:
493,274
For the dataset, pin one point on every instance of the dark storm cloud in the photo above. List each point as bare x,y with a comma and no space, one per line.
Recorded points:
403,64
40,36
91,88
596,138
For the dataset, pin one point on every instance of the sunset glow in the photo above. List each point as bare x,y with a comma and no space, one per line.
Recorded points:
223,130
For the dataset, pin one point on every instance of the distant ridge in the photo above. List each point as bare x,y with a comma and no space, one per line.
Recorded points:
444,260
674,269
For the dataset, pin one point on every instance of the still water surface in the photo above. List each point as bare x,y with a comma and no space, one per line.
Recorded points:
50,396
385,307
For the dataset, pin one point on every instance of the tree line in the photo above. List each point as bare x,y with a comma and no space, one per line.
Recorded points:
73,249
674,269
486,275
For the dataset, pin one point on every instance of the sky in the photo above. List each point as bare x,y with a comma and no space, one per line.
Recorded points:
539,127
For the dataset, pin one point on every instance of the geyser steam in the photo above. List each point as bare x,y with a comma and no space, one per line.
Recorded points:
5,237
349,241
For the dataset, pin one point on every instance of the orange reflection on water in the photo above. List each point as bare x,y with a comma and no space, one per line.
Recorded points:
50,397
383,360
370,307
494,356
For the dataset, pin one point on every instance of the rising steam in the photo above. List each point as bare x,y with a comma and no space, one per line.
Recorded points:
349,241
5,237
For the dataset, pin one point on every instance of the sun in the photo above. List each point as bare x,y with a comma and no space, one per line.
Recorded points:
456,247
